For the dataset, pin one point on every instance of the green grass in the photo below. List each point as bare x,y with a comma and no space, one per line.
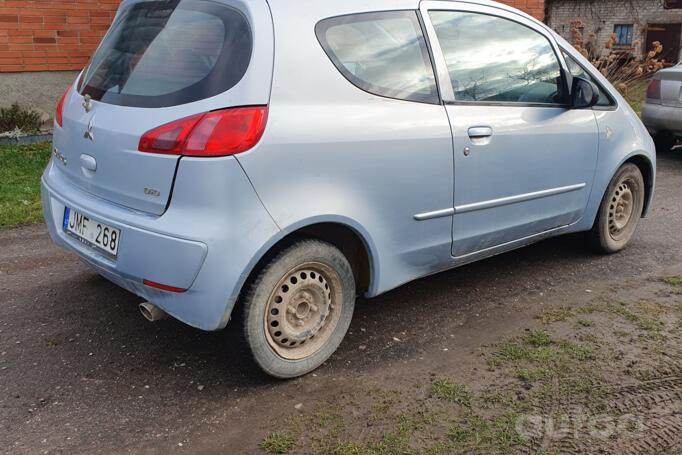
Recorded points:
643,323
443,389
429,427
636,95
552,315
476,434
537,358
675,281
22,166
580,322
281,442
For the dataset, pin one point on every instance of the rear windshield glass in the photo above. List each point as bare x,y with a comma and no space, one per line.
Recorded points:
165,53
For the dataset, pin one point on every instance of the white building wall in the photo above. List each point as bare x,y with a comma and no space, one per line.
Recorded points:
600,16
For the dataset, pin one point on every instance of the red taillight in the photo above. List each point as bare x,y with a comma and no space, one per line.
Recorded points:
653,91
59,115
218,133
163,287
169,138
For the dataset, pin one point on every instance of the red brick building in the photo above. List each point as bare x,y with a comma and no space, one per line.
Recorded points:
52,35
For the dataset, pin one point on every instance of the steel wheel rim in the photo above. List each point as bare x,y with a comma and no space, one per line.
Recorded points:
303,310
621,208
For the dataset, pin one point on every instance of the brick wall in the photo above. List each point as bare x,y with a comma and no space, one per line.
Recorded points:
533,7
600,16
51,35
60,35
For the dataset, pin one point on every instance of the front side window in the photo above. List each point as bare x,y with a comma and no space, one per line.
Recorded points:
166,53
496,60
578,71
382,53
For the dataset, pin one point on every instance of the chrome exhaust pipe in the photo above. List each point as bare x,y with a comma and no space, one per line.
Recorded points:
151,312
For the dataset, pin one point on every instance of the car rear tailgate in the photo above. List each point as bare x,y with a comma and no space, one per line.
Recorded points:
161,61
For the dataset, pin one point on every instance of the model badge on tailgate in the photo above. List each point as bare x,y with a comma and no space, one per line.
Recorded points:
59,156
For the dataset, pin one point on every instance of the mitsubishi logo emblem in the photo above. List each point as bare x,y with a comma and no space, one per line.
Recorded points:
87,103
88,132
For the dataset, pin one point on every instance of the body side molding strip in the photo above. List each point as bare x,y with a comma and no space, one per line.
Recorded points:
497,202
518,198
434,214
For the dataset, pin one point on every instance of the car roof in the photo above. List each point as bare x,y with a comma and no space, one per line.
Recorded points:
322,9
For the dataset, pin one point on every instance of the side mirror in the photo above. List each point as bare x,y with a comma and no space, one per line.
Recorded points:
584,94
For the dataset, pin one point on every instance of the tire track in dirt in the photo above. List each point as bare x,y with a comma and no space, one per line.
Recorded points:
656,406
647,418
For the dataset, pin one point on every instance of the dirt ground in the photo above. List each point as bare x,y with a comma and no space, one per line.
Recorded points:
550,349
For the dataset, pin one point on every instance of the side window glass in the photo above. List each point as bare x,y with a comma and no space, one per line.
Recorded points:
491,59
382,53
578,71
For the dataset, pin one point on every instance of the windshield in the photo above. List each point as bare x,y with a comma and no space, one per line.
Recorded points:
165,53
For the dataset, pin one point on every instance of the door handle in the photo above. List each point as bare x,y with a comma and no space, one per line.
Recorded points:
480,132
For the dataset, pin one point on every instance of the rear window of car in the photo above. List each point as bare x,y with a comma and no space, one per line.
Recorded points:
166,53
382,53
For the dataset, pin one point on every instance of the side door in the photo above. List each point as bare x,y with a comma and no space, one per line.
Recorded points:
523,161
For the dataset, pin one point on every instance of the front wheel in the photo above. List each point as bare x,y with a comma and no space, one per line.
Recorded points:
299,308
620,210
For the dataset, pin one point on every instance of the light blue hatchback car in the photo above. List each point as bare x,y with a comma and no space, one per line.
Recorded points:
280,157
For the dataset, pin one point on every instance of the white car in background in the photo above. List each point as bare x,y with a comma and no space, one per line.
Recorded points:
662,110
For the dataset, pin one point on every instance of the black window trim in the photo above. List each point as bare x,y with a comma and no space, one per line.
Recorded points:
429,49
507,104
562,71
349,77
613,103
174,99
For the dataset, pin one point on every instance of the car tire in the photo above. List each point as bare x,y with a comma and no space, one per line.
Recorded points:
664,142
299,308
620,210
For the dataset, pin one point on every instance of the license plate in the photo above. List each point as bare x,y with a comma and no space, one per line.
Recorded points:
95,234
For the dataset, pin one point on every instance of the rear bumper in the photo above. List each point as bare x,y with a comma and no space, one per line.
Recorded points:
658,118
206,242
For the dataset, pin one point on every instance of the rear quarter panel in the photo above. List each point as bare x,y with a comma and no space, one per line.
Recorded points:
332,152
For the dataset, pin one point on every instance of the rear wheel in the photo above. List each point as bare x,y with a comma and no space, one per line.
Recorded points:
664,142
620,210
299,308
